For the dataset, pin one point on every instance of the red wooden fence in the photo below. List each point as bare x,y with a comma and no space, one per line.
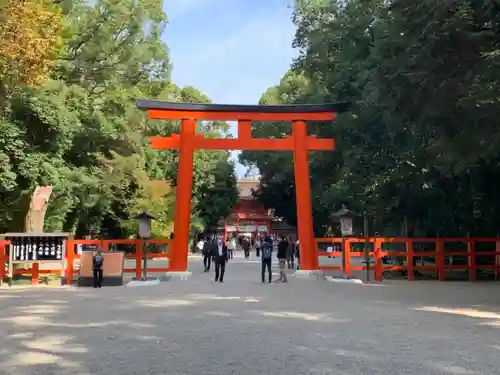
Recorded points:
440,253
72,258
376,253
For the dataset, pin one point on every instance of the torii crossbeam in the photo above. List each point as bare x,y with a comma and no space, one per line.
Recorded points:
188,141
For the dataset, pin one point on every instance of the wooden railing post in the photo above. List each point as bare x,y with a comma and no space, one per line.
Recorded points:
35,267
138,259
2,262
70,259
440,258
471,256
378,260
409,259
347,257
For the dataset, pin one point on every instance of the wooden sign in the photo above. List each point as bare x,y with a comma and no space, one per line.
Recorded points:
26,247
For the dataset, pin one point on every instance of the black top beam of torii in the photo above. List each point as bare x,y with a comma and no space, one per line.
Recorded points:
338,107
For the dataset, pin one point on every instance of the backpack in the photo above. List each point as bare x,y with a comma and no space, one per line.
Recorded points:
267,251
98,260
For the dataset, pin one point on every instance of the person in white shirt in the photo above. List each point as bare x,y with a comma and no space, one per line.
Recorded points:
200,244
258,245
297,253
231,247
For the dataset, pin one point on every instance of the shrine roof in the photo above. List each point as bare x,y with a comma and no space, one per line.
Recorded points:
281,108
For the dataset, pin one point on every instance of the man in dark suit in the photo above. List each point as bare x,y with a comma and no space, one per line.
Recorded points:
220,258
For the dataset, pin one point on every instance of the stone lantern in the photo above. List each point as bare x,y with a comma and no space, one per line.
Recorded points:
345,217
144,220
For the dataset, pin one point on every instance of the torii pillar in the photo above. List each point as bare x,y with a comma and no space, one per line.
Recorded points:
188,141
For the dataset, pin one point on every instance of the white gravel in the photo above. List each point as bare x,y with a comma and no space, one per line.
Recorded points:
243,327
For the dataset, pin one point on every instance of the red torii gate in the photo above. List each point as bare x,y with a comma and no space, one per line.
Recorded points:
188,141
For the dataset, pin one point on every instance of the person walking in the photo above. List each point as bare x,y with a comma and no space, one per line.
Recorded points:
258,245
282,255
231,247
266,259
297,253
97,268
207,254
290,258
246,247
220,258
199,245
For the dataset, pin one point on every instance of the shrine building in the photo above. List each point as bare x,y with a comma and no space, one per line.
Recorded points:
250,218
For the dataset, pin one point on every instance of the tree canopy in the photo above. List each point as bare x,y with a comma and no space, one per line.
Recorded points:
70,79
420,142
30,35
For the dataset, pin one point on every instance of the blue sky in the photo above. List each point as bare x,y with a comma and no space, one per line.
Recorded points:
231,50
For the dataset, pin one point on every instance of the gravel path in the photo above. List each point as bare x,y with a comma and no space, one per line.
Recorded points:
242,327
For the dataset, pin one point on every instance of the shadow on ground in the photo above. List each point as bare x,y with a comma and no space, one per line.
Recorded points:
243,327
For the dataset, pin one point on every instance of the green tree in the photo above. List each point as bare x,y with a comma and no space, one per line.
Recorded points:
30,36
79,129
419,143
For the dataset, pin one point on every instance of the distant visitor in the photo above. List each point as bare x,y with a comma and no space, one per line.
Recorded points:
266,258
220,258
97,267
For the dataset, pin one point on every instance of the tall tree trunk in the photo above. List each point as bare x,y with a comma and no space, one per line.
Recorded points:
70,221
